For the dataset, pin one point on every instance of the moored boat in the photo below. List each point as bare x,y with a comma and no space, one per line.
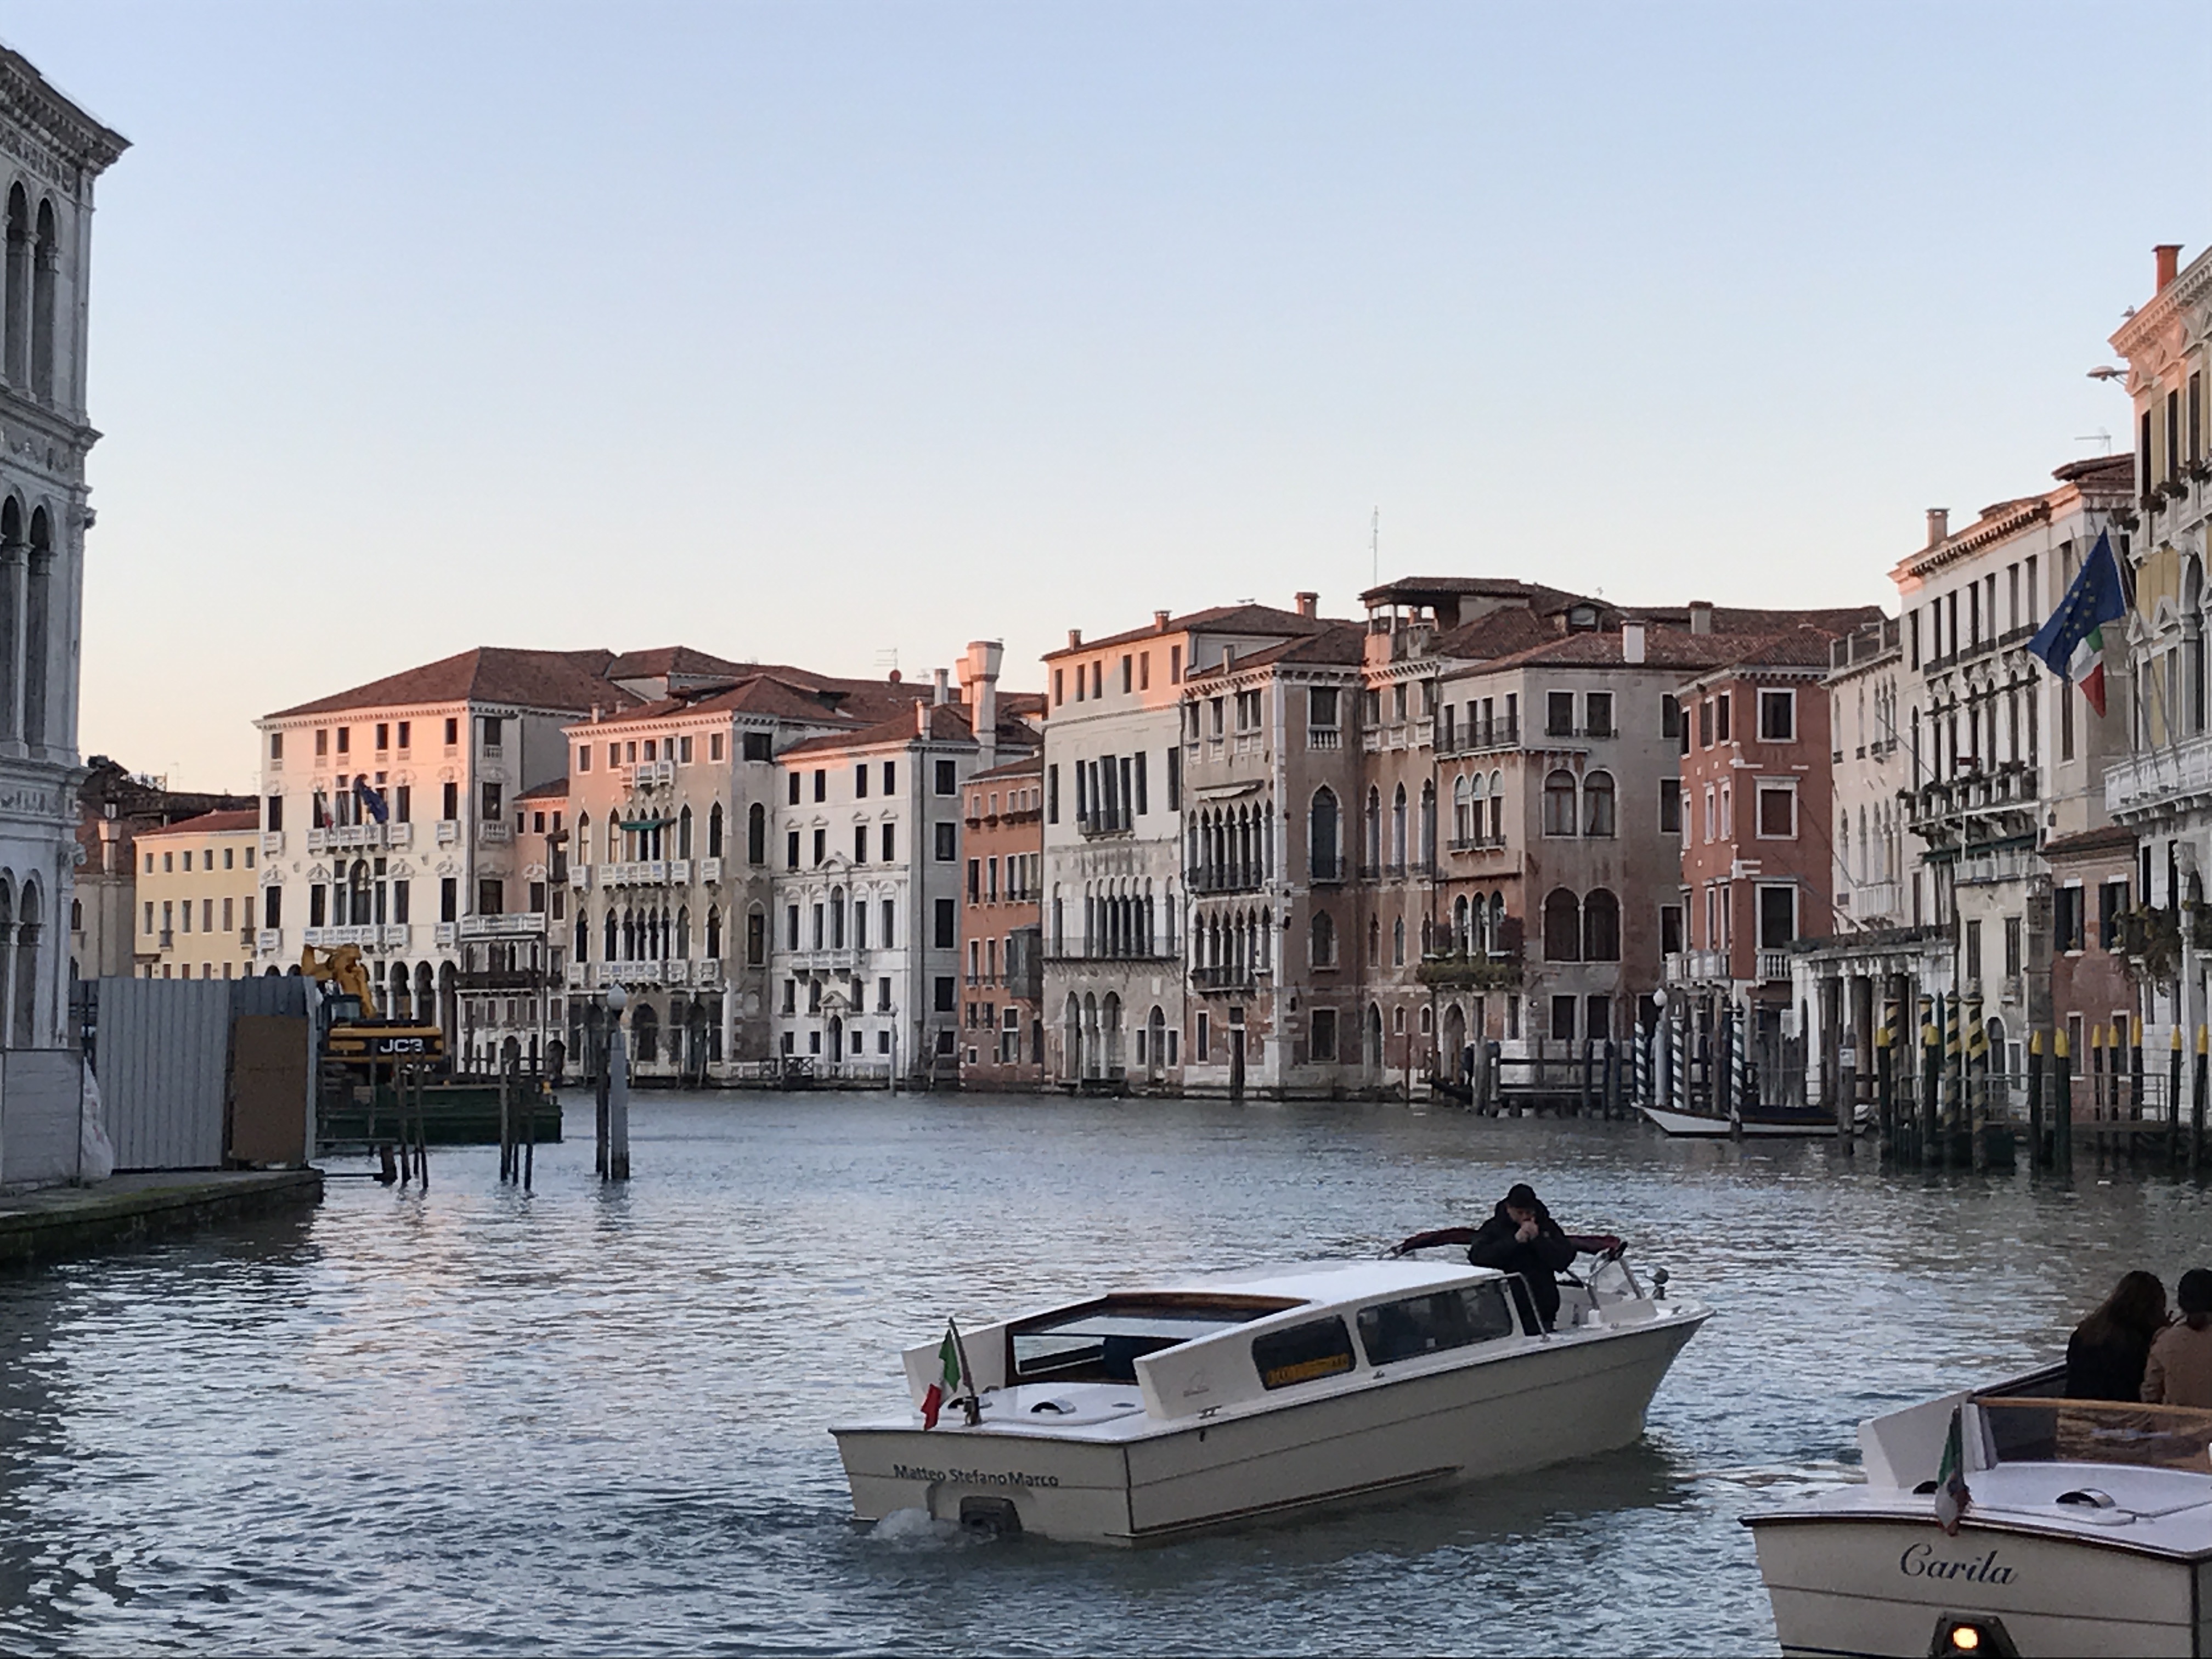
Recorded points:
1763,1122
2050,1526
1155,1411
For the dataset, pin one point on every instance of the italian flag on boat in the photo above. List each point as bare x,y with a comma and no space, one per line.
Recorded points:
1951,1494
948,1356
2072,643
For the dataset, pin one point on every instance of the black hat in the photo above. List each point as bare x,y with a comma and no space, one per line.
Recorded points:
2194,1294
1522,1196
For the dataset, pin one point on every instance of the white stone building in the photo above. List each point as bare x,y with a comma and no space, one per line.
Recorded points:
866,950
50,152
1115,995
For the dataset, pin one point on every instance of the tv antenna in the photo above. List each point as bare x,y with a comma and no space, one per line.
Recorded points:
1374,550
2099,436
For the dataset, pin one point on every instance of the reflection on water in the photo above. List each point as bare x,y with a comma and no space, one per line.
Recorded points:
594,1421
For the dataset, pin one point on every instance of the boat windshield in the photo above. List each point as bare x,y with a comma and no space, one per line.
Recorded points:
2029,1430
1102,1343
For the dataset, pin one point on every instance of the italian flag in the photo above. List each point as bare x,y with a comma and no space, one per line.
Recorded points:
1951,1494
948,1357
2086,668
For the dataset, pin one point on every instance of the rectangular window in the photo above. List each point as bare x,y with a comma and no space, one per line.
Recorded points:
792,793
859,843
1324,1034
1560,715
1052,794
403,808
399,901
449,898
1705,723
946,999
861,781
2112,906
491,897
1777,811
890,778
1098,678
1670,930
1720,709
1205,1044
1174,780
1778,917
491,802
1670,715
889,837
1563,1019
2012,941
947,841
1778,716
1973,950
2066,919
946,935
790,850
1598,711
948,778
277,747
821,846
317,902
1059,686
1128,675
345,739
1670,806
1435,1323
322,741
272,907
449,805
821,783
275,812
974,880
757,745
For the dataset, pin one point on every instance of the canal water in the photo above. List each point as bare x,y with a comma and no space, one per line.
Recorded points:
592,1421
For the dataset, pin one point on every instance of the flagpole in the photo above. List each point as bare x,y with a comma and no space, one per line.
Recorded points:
973,1405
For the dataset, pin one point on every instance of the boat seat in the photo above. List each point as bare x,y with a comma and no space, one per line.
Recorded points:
1119,1355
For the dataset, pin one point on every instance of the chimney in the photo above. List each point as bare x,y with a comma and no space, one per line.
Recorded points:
921,718
1632,642
1074,638
979,689
2169,262
1701,615
944,691
1309,605
1159,622
1939,524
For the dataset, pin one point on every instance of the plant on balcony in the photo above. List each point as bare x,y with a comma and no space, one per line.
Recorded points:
2200,924
2150,940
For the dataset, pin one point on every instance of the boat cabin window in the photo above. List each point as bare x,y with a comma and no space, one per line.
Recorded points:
2036,1431
1104,1342
1392,1331
1319,1347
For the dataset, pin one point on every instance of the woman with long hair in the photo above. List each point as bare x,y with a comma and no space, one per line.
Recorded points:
2179,1370
2107,1354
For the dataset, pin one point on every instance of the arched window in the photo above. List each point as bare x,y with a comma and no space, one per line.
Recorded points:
1495,934
1559,803
1496,807
1374,828
1374,941
1463,830
583,938
1459,939
684,934
16,306
1398,943
755,833
1601,928
1321,836
1598,806
359,893
1398,827
1428,850
38,611
613,939
584,839
683,834
1563,929
43,259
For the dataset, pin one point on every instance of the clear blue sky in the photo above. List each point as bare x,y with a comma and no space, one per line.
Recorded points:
819,331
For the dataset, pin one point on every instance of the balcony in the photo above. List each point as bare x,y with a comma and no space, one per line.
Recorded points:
1227,976
1476,972
580,975
495,833
580,877
1990,865
710,870
648,872
272,843
449,833
1250,742
346,837
1476,844
369,936
831,959
1480,738
646,774
1221,880
270,941
1110,821
1870,898
168,939
1773,967
447,932
529,924
679,872
2160,779
1689,967
707,974
1326,738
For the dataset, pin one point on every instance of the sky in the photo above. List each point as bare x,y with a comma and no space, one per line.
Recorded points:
845,334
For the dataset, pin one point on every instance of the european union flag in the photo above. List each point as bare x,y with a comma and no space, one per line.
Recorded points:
2072,643
371,802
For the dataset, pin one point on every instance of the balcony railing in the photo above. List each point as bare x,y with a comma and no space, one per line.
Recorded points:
270,940
346,837
710,870
449,833
1480,737
491,833
1112,821
1227,976
1773,965
368,935
272,843
529,924
1686,966
2157,779
1325,737
1216,879
679,872
645,873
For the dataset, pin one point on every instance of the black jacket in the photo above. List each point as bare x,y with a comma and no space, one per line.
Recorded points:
2109,1370
1496,1244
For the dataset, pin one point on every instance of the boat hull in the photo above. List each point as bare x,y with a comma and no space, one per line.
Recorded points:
1693,1126
1864,1584
1427,1429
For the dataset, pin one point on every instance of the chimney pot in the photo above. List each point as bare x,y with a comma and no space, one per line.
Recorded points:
1632,642
1074,638
1701,615
1939,524
1160,621
2169,262
921,718
943,690
1309,605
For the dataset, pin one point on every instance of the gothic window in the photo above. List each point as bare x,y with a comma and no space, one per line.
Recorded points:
1562,927
1559,805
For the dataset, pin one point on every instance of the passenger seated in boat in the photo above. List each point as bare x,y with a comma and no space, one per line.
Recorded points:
1520,1237
2179,1370
2106,1354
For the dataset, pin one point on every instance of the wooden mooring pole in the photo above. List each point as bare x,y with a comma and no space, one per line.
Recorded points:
2035,1158
2062,1102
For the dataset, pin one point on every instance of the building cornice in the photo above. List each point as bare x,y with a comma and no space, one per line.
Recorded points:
81,149
2190,286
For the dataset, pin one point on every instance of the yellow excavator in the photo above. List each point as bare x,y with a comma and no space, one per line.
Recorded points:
353,1031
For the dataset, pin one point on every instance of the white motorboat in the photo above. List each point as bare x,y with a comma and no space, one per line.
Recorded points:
1150,1413
2086,1530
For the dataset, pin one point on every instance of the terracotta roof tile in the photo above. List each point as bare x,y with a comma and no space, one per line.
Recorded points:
206,823
1341,645
556,790
1220,619
557,680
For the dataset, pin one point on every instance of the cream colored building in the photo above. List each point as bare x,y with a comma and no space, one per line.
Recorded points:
198,881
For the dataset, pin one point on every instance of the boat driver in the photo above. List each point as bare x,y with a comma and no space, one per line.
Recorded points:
1520,1237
